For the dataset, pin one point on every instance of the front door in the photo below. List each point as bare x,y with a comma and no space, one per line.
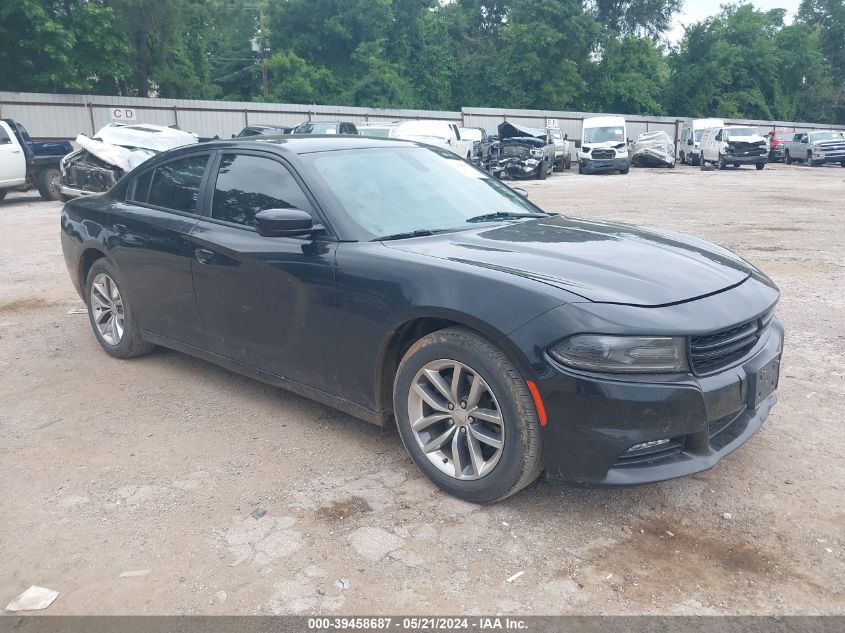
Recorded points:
268,302
149,243
12,160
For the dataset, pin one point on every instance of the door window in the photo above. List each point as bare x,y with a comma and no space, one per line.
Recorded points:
4,138
248,184
175,185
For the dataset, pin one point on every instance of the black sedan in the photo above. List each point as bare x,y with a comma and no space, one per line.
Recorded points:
395,281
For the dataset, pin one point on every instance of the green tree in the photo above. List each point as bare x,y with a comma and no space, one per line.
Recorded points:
631,77
52,46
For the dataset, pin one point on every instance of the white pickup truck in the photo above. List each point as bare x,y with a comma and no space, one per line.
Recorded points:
441,133
27,164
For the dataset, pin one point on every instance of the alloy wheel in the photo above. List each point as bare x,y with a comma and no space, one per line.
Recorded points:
107,308
456,419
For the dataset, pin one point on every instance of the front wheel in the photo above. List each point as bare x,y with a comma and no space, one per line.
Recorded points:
624,171
49,182
722,164
810,161
2,193
541,175
760,166
111,315
786,158
466,416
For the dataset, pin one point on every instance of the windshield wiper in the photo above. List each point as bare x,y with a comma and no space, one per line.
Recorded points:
505,215
406,234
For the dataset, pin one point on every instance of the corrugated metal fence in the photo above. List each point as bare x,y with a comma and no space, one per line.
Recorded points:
49,116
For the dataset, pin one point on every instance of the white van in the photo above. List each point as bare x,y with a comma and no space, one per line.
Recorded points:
604,145
690,143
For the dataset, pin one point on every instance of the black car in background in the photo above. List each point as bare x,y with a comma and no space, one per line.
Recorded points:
396,281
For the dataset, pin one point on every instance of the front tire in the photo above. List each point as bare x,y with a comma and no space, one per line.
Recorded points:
466,417
110,313
786,158
49,183
3,193
722,164
810,161
541,175
760,166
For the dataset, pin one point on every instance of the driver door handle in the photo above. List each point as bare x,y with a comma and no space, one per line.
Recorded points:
203,255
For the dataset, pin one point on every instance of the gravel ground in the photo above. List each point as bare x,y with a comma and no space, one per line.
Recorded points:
162,463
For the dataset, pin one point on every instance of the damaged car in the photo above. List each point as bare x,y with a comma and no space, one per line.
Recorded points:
653,149
522,152
113,151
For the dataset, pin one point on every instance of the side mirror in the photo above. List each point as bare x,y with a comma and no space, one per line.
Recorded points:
718,137
689,141
520,192
283,222
566,137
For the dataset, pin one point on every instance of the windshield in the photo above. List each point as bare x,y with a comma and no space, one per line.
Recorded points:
734,132
469,134
612,134
699,134
316,128
826,136
385,191
556,133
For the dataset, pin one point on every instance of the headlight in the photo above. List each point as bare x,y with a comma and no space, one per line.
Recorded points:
585,149
537,152
623,354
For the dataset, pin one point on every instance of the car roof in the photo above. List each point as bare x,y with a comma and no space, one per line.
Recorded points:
301,144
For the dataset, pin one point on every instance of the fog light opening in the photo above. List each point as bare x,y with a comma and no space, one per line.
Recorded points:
644,445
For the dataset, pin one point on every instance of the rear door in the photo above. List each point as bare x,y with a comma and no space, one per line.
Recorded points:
268,302
149,244
12,159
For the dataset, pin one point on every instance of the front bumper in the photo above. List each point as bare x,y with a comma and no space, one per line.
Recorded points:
595,420
737,159
829,157
596,165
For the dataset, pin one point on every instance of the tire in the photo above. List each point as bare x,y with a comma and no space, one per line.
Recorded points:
624,171
722,164
542,171
702,163
128,343
786,158
502,471
580,168
810,161
683,158
842,163
48,182
2,193
567,163
760,166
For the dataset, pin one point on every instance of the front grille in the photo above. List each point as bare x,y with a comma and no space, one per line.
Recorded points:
603,154
711,352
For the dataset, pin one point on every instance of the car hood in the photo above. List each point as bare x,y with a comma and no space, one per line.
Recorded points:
598,261
750,138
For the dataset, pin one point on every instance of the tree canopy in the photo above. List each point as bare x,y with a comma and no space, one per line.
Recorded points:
597,55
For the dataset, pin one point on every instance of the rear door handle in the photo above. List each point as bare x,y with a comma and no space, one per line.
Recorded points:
203,255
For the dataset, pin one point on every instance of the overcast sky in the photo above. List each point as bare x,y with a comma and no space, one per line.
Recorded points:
697,10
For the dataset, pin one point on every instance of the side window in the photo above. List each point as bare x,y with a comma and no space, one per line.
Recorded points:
176,185
142,187
796,138
4,138
249,184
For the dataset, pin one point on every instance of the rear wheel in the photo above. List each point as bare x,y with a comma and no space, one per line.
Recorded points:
49,183
466,417
111,315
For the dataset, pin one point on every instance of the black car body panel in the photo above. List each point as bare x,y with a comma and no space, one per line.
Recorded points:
324,315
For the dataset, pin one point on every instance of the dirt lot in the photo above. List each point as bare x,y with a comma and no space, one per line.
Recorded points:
157,463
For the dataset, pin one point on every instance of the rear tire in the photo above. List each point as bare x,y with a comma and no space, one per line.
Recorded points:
484,472
106,298
49,184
